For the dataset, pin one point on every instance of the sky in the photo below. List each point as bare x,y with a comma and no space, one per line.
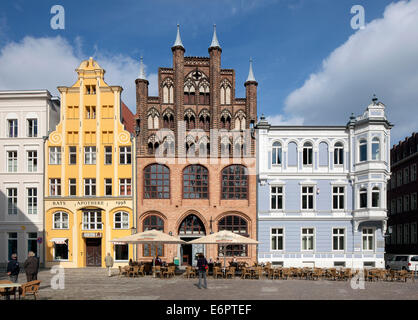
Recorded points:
312,67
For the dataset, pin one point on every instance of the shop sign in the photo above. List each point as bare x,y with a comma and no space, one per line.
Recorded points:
92,235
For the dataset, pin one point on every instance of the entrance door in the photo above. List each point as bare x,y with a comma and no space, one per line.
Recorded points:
93,252
186,252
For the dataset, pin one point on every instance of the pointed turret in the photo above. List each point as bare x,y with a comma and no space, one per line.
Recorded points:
141,70
215,42
250,73
178,43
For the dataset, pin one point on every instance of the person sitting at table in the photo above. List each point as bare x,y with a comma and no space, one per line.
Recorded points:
158,261
131,263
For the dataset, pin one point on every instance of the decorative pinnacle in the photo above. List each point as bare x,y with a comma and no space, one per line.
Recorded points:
374,99
250,73
178,42
141,70
215,42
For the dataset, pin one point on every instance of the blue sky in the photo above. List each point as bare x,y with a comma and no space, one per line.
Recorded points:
288,40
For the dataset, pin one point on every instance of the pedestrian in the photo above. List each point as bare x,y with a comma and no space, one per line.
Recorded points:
202,265
109,264
31,266
13,268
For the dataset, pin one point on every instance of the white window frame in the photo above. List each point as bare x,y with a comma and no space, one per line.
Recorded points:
376,156
373,234
71,185
414,201
338,236
406,175
32,134
56,151
70,153
114,253
406,203
34,209
278,151
277,235
123,213
90,155
15,127
89,183
360,192
57,184
414,172
123,154
338,155
309,149
31,159
277,194
13,209
107,154
12,161
53,253
338,194
414,233
406,234
379,199
106,185
88,222
362,142
313,242
313,197
60,221
123,182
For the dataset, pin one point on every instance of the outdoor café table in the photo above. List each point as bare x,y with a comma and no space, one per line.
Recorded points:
8,286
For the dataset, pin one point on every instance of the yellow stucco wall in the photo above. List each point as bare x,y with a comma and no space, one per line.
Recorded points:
79,130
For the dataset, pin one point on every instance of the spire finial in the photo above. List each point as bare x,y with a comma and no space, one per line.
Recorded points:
178,42
250,73
141,70
374,99
215,42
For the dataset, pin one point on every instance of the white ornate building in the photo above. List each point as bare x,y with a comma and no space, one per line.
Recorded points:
25,118
322,192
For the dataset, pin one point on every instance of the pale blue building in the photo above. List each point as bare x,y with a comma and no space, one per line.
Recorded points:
322,192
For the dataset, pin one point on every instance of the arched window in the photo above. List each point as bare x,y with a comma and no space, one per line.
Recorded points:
192,225
189,92
375,197
204,95
237,225
153,222
276,154
375,149
195,182
190,119
226,120
225,92
240,123
168,91
156,182
153,117
307,153
225,147
338,153
204,120
363,150
235,182
121,220
60,220
363,198
168,119
168,146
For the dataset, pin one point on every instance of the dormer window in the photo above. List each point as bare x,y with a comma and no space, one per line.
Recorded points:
90,89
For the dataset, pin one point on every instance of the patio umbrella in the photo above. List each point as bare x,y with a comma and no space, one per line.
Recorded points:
151,237
224,237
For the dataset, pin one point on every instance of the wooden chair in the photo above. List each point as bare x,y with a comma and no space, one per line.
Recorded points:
217,271
286,273
317,273
9,292
31,287
122,271
190,273
258,273
230,272
141,270
169,272
346,274
245,272
332,274
134,271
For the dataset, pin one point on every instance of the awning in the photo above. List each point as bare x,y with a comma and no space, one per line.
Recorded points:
119,242
59,240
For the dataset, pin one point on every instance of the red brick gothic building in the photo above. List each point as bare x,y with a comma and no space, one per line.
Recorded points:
196,156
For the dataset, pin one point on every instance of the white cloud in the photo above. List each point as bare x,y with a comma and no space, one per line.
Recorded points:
284,121
380,59
45,63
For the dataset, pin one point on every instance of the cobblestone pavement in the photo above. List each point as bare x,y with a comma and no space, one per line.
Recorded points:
94,284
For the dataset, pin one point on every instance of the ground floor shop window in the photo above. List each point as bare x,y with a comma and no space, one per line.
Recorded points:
32,242
12,244
121,252
152,251
237,250
61,251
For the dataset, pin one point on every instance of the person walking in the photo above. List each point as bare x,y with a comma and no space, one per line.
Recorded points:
109,264
202,265
31,266
13,268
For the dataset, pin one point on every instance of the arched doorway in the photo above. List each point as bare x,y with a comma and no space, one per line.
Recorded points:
191,228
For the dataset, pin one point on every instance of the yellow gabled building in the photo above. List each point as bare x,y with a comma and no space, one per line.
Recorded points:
89,165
